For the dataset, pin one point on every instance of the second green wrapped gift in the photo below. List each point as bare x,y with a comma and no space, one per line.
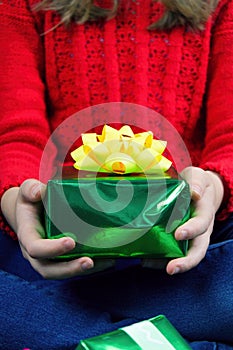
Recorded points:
156,333
118,216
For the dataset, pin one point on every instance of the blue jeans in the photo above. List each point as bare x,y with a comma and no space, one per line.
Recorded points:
41,314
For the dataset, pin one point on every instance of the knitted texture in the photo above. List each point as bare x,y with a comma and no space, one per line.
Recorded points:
48,75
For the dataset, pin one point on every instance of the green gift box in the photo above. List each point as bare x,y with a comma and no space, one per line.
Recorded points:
154,334
118,216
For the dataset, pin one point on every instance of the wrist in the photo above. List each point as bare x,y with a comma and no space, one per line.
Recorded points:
8,205
218,188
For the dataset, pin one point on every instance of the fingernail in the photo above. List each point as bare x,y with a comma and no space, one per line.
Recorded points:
196,191
68,243
86,265
183,234
176,270
35,190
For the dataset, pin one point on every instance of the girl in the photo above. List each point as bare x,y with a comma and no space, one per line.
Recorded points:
59,57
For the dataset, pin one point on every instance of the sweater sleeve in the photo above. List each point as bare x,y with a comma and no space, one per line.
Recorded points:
218,151
24,128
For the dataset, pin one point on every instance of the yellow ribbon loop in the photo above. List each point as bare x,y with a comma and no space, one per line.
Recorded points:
121,152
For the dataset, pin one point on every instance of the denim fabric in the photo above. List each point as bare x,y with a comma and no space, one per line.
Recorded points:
40,314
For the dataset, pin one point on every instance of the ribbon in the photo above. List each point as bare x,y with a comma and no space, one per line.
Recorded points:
121,152
147,336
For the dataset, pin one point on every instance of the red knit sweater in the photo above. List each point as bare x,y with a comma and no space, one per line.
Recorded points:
46,78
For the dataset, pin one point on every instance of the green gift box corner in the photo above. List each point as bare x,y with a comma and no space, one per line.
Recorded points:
118,216
154,334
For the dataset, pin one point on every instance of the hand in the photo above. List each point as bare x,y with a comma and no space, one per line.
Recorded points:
22,208
207,194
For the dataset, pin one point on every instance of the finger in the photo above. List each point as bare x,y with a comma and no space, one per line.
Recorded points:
32,190
194,227
30,233
62,269
197,251
202,220
40,248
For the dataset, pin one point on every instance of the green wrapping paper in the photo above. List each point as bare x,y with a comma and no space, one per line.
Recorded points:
155,334
118,216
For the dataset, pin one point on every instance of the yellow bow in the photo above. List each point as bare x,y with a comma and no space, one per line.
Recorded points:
121,152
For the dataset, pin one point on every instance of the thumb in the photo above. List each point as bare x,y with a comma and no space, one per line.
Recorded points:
196,179
32,190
